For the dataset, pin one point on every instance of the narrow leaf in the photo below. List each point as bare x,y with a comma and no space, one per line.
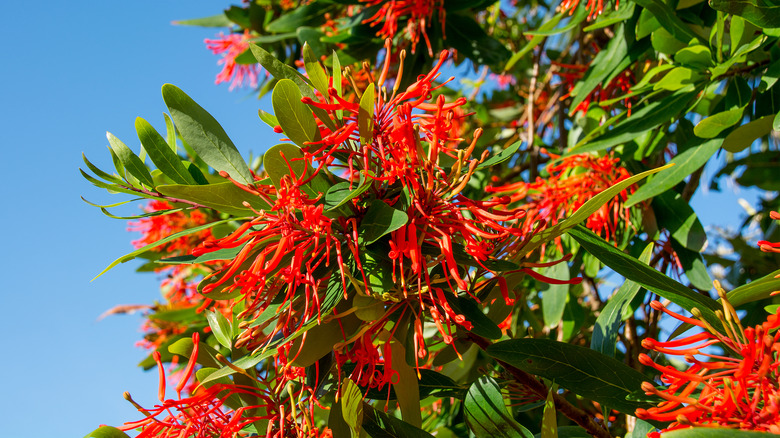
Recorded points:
366,115
225,197
314,69
161,154
352,406
486,413
132,164
583,371
501,156
549,420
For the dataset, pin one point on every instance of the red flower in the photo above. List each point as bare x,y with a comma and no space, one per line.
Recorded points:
418,14
226,409
596,7
230,46
737,390
767,246
573,181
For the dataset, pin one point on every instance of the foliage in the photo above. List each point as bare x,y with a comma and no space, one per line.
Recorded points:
426,257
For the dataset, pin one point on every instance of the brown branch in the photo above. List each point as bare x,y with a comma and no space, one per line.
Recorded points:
574,413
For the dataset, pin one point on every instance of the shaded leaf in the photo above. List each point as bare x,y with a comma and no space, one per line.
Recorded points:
379,220
644,275
486,413
745,135
583,371
352,406
549,420
377,424
762,13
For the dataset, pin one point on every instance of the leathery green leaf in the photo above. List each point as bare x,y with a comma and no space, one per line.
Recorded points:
161,154
132,164
549,420
221,327
294,116
644,275
581,370
677,216
377,424
315,71
204,134
501,156
107,432
583,212
604,339
366,115
486,413
717,123
225,197
407,389
554,298
684,164
381,219
352,406
762,13
745,135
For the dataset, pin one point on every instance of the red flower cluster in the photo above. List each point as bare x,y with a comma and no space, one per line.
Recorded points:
276,409
418,14
573,181
739,389
767,246
596,7
230,46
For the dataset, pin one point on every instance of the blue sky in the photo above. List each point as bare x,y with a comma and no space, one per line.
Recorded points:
72,71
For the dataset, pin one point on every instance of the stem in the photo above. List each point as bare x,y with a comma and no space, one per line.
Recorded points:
574,413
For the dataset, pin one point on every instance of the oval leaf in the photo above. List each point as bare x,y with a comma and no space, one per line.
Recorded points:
294,116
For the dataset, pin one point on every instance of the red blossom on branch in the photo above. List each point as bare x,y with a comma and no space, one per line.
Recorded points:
738,389
230,46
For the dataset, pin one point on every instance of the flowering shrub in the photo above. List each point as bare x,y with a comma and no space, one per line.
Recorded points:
423,256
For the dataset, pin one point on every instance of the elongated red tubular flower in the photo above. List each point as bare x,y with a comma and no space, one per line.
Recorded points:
738,390
595,7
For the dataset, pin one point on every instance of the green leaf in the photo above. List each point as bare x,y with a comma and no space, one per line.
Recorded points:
315,71
583,212
469,38
341,193
583,371
644,275
407,388
136,253
713,432
717,123
204,134
697,56
219,20
106,176
684,164
107,432
755,290
268,118
170,133
225,197
280,70
352,406
161,154
641,429
294,116
486,413
645,119
677,216
132,164
762,13
670,20
605,331
306,15
549,420
603,65
221,327
501,156
220,254
377,424
366,116
379,220
745,135
554,298
677,78
481,324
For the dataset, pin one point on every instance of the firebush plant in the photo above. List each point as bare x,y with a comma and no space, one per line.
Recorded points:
416,255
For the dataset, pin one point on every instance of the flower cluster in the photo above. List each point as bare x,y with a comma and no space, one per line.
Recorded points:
572,181
417,13
737,389
595,7
230,46
272,407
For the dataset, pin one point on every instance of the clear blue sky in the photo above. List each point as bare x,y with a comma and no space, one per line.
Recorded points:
72,71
